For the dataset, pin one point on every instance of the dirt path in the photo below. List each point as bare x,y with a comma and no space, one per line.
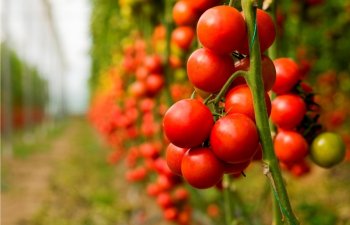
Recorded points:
29,180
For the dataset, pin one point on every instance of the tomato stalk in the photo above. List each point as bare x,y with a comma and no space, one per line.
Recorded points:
254,80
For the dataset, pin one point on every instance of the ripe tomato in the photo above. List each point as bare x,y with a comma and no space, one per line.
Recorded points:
184,14
202,5
288,111
154,83
153,63
171,213
327,149
201,168
221,29
182,37
164,200
235,168
137,89
266,32
268,71
209,71
290,146
287,75
174,157
240,100
234,138
188,123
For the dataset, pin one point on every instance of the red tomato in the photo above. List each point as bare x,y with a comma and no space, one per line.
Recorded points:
181,194
164,200
209,71
234,138
154,84
201,168
202,5
221,29
288,111
266,32
184,14
188,123
290,146
240,100
287,75
153,64
171,213
183,37
235,168
137,89
268,71
174,157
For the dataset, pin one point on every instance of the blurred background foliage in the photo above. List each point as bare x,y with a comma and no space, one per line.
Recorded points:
22,99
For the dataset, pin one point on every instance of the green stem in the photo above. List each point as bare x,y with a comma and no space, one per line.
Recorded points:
255,83
226,86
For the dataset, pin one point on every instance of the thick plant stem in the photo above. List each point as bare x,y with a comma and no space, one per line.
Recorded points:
255,83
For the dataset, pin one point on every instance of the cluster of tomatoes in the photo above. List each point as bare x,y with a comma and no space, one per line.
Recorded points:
208,140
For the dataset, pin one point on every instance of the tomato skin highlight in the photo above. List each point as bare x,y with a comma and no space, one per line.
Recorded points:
208,70
234,138
188,123
287,75
174,157
221,29
288,111
240,100
290,146
201,168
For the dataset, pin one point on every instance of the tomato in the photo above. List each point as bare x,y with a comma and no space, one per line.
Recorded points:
171,213
235,168
164,200
181,194
288,111
209,71
202,5
174,157
149,150
184,14
153,63
188,123
240,100
287,75
183,37
300,168
137,89
266,32
201,168
290,146
234,138
221,29
258,154
327,149
154,84
268,71
141,73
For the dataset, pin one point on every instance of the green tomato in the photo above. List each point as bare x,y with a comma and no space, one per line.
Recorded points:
327,149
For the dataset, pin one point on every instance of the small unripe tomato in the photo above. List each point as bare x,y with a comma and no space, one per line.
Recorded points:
327,149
